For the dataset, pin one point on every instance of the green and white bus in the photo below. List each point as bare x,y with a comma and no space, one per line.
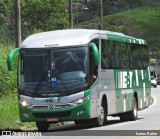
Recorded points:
81,75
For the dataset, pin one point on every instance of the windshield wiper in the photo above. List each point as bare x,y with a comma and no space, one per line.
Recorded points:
61,80
40,81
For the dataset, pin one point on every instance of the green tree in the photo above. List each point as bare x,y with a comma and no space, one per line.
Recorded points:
39,15
6,28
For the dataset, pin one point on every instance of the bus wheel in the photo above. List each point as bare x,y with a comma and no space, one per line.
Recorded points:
99,121
133,115
42,126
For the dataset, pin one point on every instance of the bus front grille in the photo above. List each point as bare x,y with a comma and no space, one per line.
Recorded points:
50,115
46,107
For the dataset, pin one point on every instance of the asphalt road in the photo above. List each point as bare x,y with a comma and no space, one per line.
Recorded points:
147,124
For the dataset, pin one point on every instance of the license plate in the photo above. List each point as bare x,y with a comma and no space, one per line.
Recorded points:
52,120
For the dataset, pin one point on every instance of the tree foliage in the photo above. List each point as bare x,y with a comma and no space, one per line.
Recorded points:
111,7
5,20
39,15
45,15
36,16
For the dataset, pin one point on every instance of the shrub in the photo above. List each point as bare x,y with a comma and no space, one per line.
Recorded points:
8,80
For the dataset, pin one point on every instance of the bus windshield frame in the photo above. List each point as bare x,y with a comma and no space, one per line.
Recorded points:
53,72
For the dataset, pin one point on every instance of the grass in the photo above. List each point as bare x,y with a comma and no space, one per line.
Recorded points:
9,114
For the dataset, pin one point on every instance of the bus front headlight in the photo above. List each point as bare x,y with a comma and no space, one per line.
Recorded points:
25,104
81,100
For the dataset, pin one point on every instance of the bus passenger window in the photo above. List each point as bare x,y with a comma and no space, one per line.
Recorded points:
105,59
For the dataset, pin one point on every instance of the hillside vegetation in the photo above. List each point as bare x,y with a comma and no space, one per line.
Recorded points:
9,118
140,22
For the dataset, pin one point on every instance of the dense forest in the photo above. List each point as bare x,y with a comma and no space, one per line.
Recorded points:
36,16
39,15
111,7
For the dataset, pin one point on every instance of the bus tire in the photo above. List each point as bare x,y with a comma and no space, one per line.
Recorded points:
42,126
101,119
133,115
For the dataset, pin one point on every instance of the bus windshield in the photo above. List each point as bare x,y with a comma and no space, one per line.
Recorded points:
54,70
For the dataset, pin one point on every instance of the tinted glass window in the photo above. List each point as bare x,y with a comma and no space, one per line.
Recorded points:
121,55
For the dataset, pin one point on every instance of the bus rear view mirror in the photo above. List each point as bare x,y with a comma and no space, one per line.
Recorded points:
10,58
96,55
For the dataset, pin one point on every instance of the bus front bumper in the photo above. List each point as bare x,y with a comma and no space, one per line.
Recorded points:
77,112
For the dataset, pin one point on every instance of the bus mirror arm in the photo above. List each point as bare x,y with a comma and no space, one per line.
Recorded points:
95,53
10,58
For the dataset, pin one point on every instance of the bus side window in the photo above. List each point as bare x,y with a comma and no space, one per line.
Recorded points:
105,59
135,53
124,55
115,55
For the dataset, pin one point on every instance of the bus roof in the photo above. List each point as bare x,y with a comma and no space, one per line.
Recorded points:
71,37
